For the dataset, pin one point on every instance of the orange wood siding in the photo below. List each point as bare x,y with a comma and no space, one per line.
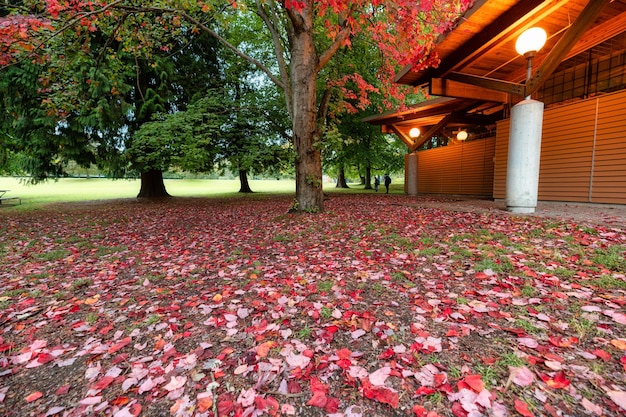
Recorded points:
583,150
459,169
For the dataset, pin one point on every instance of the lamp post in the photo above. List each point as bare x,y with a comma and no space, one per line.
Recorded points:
528,44
410,166
522,178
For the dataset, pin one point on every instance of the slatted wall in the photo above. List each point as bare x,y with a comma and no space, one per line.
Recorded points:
583,152
459,169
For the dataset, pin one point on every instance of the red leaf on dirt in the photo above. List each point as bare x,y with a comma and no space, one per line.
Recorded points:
33,397
522,408
332,405
381,394
119,345
103,382
225,404
204,401
458,410
602,354
318,399
557,381
120,401
474,382
63,390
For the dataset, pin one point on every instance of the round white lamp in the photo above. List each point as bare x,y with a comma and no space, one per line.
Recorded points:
414,132
461,135
529,42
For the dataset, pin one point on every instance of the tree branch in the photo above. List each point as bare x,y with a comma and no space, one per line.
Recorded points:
279,83
327,55
272,25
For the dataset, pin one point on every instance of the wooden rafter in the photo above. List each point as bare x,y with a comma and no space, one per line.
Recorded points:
565,44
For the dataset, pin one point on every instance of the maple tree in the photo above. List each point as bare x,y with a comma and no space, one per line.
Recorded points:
305,36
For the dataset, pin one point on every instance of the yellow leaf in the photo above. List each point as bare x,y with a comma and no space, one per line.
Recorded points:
619,343
92,300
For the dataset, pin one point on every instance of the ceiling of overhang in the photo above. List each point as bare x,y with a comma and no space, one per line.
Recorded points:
482,47
483,44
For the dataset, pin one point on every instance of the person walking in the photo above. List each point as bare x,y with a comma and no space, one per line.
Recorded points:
387,183
376,182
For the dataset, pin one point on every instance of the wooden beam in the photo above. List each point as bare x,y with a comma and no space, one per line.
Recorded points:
487,83
565,44
486,38
451,88
593,37
403,137
430,132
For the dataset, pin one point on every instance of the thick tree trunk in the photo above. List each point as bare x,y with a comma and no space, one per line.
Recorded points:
341,178
243,181
309,192
152,185
368,177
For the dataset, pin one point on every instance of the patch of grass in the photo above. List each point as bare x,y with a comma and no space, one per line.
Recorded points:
510,359
81,283
304,333
613,258
488,374
53,255
462,300
325,286
610,282
454,372
501,264
152,319
429,252
91,318
108,250
13,293
282,238
527,326
528,290
326,312
584,327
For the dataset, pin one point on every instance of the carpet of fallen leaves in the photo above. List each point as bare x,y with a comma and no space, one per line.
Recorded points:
378,307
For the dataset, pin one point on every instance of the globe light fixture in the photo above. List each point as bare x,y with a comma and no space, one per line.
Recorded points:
528,44
461,135
414,132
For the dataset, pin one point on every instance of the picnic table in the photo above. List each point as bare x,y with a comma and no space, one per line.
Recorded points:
11,200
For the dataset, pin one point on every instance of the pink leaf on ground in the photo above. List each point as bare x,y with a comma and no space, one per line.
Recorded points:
618,397
379,377
176,382
522,376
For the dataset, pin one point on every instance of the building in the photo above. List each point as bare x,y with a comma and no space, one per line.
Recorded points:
579,76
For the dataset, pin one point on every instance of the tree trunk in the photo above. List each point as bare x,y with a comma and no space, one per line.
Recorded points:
309,192
368,177
152,185
243,181
341,178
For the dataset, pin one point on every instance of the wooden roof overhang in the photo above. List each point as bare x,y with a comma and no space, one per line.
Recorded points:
478,62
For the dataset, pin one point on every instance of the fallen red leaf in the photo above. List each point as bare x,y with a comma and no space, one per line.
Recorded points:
522,408
33,396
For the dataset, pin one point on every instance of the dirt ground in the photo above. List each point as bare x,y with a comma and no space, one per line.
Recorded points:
613,216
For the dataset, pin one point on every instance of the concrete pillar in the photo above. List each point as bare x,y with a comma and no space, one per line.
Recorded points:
522,176
411,173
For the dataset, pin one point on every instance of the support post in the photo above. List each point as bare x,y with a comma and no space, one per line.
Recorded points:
410,167
522,178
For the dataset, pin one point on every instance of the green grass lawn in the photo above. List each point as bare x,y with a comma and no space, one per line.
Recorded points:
85,189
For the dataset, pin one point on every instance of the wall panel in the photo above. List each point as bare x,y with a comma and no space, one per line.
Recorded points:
583,152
